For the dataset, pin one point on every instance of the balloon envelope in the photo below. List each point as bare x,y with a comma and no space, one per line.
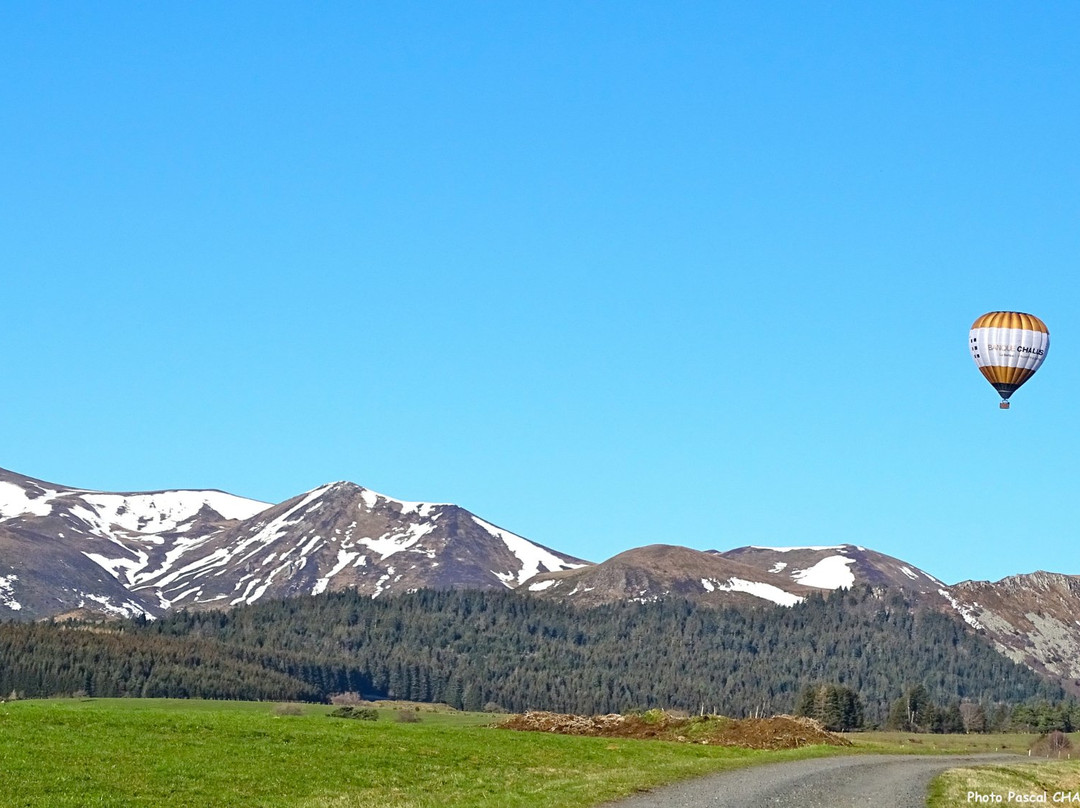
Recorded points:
1008,347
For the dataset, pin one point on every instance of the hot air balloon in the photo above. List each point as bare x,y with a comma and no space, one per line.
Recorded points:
1008,347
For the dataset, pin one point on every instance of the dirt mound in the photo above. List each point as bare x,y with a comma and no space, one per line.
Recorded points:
611,726
778,732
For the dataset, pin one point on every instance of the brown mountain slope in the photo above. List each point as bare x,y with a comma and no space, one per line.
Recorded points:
651,573
842,566
343,536
1033,619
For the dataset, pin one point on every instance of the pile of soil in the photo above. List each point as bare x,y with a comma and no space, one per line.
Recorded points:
778,732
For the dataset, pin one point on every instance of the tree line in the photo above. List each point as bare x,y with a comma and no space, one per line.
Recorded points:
840,709
473,648
47,659
477,649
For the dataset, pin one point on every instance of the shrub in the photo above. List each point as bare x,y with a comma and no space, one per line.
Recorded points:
350,697
1052,744
360,713
407,717
288,709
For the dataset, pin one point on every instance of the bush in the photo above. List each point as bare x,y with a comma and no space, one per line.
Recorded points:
407,717
288,709
350,697
360,713
1053,744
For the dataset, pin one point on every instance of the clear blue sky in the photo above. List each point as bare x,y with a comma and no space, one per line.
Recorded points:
606,274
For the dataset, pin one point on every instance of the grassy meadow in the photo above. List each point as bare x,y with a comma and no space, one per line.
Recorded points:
64,753
1045,779
884,742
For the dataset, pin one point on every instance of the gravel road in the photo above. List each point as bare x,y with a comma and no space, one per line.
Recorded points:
885,781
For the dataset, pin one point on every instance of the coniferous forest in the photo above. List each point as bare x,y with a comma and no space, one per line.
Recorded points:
477,650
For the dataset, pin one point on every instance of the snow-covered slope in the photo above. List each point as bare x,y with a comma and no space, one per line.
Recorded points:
840,567
64,549
344,536
142,513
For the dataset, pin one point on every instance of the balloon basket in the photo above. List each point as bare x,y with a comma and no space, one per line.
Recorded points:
1004,405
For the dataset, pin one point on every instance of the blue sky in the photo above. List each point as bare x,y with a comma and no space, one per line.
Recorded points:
606,274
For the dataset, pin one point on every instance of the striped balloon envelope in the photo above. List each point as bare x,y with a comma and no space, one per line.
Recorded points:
1008,347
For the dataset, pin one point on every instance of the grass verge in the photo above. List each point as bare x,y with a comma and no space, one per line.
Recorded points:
1044,782
105,752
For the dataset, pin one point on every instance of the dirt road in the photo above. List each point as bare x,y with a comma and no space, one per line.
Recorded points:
884,781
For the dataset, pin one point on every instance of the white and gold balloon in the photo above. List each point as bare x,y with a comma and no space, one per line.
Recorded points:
1008,347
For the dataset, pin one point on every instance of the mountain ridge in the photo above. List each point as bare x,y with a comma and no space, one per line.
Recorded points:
65,550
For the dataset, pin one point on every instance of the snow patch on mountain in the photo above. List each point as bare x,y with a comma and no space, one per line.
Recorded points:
15,501
127,521
181,547
792,549
534,558
344,558
114,566
167,510
7,593
832,572
372,498
267,534
218,558
965,611
257,587
390,543
155,512
757,589
127,609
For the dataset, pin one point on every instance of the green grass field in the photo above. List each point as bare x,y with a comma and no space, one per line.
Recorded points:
105,752
149,752
1055,781
916,744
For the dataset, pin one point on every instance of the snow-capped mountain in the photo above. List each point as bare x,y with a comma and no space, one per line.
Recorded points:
648,574
782,575
840,567
65,549
344,536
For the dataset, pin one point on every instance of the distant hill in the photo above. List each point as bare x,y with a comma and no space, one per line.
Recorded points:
661,571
